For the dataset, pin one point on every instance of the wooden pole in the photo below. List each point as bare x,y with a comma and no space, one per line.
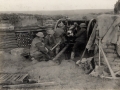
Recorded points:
99,53
111,71
55,46
30,85
60,53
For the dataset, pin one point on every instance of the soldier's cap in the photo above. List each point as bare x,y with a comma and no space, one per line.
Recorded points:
40,34
82,25
50,32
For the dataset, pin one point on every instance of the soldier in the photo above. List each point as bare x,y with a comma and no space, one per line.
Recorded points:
80,39
38,51
50,41
59,36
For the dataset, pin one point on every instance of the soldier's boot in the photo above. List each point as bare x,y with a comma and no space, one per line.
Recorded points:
72,55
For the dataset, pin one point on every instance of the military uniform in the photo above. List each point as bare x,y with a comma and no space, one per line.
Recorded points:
38,51
80,40
59,36
49,43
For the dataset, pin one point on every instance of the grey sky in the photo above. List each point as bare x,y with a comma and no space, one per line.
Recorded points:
35,5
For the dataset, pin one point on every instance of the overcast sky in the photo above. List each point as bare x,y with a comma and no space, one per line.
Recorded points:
36,5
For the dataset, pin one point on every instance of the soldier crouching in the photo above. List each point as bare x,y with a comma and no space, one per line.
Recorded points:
38,51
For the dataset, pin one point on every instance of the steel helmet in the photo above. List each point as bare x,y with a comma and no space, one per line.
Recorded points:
40,34
51,32
82,25
75,23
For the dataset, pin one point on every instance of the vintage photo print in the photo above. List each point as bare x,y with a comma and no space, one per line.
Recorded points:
59,44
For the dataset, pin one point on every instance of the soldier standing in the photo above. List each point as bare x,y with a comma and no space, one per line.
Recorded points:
80,40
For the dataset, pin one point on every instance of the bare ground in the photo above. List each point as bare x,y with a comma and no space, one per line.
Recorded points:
67,75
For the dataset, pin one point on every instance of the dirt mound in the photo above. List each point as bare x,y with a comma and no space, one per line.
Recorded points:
12,63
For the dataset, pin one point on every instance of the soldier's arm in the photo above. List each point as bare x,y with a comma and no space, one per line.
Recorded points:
40,47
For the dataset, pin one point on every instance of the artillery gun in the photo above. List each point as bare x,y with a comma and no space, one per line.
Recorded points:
69,32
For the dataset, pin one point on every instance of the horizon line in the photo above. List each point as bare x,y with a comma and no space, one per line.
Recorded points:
56,10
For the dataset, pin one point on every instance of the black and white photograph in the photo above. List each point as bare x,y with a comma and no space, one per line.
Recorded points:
59,44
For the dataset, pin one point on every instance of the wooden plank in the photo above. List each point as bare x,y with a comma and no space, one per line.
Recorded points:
110,77
23,76
2,76
19,77
5,38
10,79
10,75
6,75
7,46
14,79
30,85
10,44
7,42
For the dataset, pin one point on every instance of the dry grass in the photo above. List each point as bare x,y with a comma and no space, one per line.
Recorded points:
66,75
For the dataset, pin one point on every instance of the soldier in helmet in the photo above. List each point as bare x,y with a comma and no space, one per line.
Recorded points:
50,41
80,39
38,51
59,36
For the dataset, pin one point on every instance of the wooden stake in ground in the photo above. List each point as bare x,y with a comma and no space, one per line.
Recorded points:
99,53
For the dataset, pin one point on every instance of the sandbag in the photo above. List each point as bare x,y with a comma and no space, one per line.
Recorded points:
115,68
104,46
111,55
107,50
117,59
109,59
118,49
97,55
101,60
111,46
118,32
115,63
